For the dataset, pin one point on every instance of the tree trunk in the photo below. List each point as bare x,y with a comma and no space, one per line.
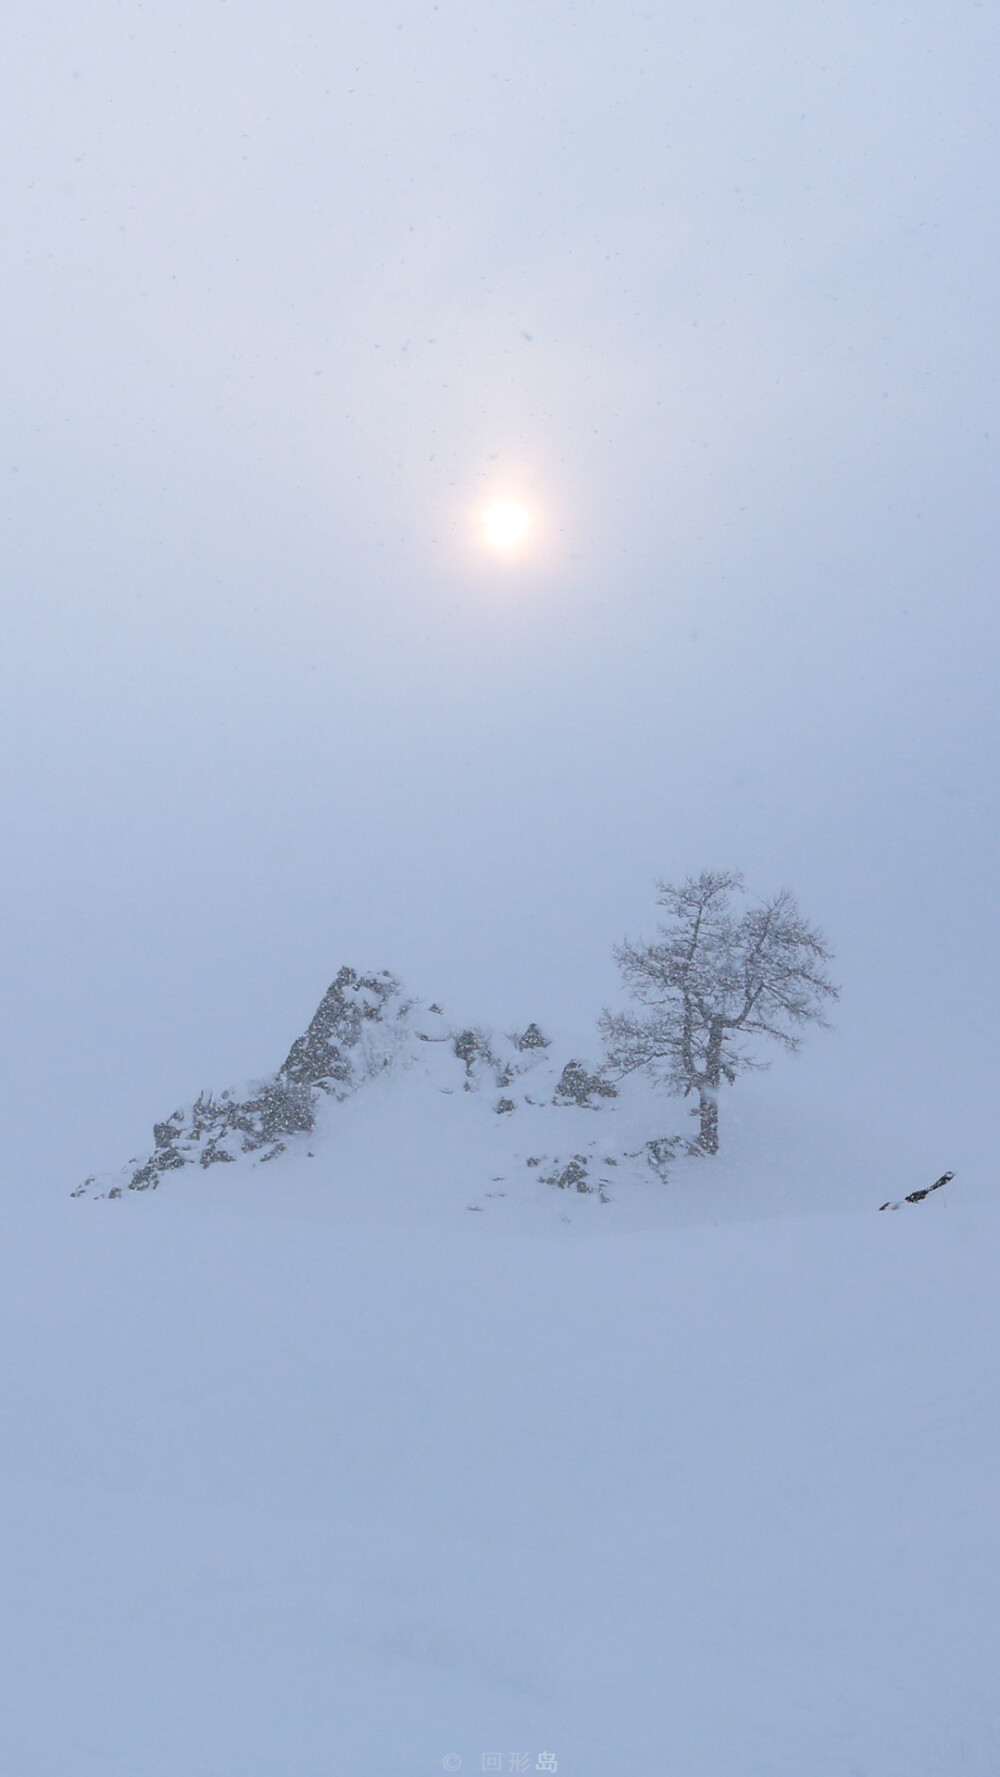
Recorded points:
708,1089
708,1111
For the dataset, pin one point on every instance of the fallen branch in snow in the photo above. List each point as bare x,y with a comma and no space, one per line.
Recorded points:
918,1196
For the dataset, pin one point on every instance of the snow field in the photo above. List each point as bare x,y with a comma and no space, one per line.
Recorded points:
290,1495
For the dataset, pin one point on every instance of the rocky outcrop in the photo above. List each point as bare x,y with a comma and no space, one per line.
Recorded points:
216,1130
351,1034
918,1196
585,1173
578,1086
365,1025
356,1032
475,1052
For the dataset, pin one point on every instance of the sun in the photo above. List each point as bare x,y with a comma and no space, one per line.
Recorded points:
506,523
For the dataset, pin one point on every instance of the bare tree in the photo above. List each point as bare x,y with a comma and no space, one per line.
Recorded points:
716,983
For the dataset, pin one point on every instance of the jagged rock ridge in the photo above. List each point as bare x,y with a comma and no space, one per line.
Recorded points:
363,1026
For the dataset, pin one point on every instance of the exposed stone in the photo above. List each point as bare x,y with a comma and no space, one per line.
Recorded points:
471,1046
475,1051
578,1086
164,1133
918,1196
323,1052
212,1155
571,1177
362,1025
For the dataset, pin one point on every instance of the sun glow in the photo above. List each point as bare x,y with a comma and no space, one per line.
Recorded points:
506,523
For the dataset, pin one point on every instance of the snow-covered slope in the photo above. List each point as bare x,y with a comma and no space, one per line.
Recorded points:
484,1108
355,1462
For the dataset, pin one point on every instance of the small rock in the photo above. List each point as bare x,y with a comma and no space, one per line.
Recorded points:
578,1086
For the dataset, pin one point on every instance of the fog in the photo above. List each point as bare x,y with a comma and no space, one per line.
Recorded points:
289,293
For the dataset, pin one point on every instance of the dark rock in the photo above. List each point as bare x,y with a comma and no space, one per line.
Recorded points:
212,1156
578,1086
473,1049
145,1178
571,1177
471,1046
164,1133
323,1052
280,1107
918,1196
329,1055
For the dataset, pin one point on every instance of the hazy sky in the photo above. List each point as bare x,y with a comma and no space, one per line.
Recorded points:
289,291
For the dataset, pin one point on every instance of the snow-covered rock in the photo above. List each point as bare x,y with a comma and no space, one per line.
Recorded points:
366,1027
